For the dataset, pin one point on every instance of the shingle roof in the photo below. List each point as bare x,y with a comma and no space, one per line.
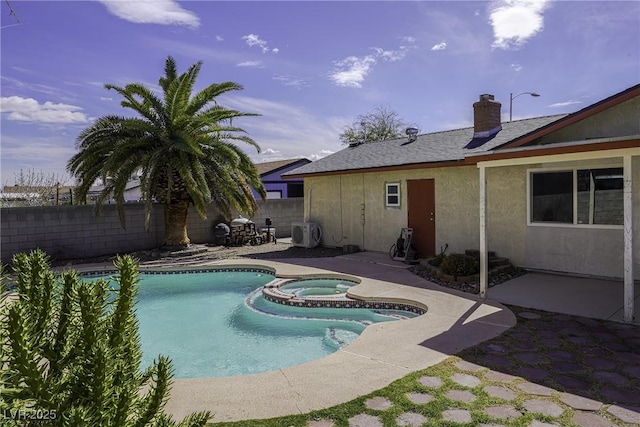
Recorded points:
427,148
268,167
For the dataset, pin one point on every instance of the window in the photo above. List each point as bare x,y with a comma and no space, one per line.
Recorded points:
276,194
295,189
393,195
582,196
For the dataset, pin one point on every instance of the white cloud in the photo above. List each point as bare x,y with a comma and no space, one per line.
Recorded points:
255,40
291,81
275,50
219,38
105,98
516,21
254,64
409,39
270,152
30,110
164,12
564,104
319,155
440,46
351,71
516,67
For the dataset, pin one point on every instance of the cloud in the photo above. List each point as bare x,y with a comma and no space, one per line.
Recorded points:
440,46
30,110
164,12
409,39
270,152
351,71
291,81
516,67
254,64
219,38
275,50
564,104
105,98
319,155
255,40
514,22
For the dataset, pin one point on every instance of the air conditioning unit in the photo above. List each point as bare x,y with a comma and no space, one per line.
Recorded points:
305,234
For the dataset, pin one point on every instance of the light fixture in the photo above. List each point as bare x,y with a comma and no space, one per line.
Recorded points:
512,97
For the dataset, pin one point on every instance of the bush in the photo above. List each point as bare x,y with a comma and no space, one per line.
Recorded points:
70,351
459,265
436,261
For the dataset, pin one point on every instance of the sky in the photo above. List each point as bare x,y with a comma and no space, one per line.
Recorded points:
309,68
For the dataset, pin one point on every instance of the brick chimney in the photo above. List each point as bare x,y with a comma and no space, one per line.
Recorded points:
486,116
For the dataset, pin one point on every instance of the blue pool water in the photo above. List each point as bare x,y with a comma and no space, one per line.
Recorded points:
217,324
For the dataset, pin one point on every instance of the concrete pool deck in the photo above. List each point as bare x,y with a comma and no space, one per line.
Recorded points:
383,353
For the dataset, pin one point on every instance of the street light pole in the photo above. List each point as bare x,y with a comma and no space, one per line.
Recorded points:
511,98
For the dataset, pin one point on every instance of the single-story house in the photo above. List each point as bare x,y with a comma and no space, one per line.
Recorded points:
557,193
271,177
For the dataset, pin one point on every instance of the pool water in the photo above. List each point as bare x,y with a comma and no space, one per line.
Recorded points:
328,286
218,324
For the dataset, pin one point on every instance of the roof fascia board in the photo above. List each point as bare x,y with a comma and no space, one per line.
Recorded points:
586,112
412,166
278,169
562,157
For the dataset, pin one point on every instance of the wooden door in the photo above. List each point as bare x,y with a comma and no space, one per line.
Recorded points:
421,214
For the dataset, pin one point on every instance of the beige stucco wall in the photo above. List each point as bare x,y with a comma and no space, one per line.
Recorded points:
456,192
583,250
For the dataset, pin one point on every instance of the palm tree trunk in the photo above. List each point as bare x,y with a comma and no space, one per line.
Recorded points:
175,224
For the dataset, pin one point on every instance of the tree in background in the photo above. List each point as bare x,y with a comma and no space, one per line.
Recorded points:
70,352
381,124
36,188
182,146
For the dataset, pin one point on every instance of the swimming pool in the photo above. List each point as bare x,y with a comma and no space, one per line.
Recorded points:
217,323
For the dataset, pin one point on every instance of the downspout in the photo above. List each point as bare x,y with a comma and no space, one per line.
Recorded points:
363,213
341,220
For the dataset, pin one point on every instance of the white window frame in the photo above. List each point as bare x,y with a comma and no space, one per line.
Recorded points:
574,170
387,194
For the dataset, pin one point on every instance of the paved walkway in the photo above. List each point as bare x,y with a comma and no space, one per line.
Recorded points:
549,370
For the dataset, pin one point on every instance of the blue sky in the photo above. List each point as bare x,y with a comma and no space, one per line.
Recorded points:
308,67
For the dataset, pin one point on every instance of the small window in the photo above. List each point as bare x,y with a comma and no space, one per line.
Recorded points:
393,195
276,194
552,197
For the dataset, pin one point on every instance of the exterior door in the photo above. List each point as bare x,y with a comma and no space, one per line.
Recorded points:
421,214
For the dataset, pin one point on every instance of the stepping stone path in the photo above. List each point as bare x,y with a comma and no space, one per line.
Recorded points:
365,420
503,412
588,419
461,396
419,398
465,380
433,382
579,402
460,416
500,392
543,407
625,415
321,423
411,419
378,403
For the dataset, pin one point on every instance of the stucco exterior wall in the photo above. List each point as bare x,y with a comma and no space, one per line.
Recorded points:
456,192
621,120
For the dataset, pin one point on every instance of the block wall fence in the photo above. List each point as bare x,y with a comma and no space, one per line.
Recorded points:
66,232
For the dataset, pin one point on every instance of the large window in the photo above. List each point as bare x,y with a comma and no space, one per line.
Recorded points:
392,196
581,196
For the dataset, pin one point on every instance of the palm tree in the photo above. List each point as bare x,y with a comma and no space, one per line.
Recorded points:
182,147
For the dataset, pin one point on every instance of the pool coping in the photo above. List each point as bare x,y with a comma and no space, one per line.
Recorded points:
382,354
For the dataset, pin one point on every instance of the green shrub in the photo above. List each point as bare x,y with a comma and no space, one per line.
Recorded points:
70,351
460,265
436,261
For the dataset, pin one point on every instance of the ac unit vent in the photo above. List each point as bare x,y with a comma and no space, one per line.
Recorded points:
305,234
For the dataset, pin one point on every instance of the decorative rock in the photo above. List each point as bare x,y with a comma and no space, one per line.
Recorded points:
499,377
365,420
628,415
573,383
500,392
524,346
495,348
633,371
559,354
566,367
503,412
419,398
378,403
543,407
497,361
463,365
531,358
589,419
537,389
529,315
433,382
599,363
579,402
411,419
461,395
621,395
465,380
459,416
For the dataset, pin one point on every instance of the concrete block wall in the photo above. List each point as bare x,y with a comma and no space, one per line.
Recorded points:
66,232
